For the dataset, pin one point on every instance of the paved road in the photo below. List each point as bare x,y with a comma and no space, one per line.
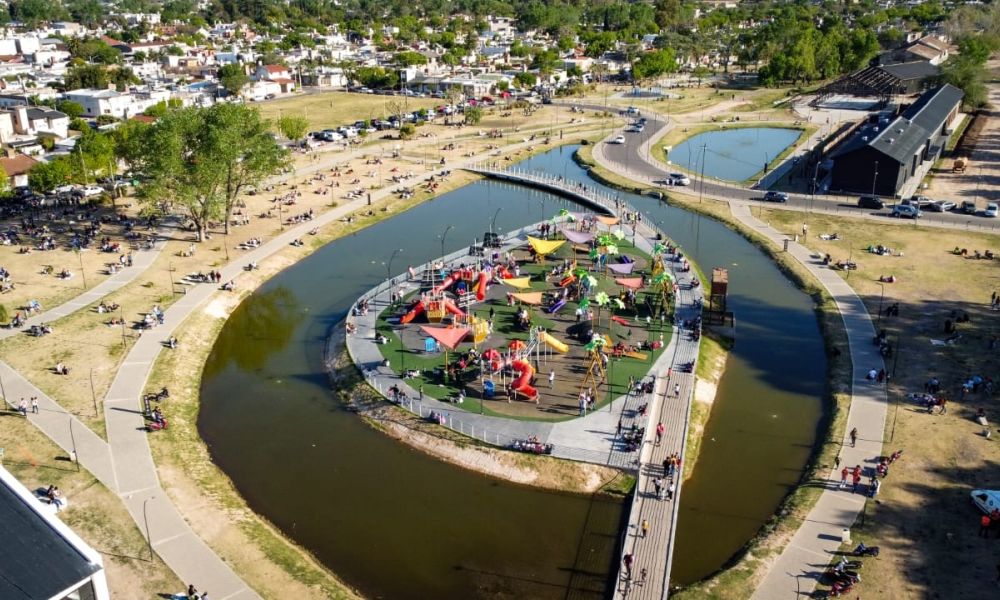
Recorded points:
796,571
633,159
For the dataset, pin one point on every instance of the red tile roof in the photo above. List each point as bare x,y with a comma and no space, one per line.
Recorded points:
17,165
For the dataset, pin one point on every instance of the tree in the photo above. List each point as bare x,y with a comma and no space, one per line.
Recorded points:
47,176
233,78
406,131
204,158
654,64
161,108
293,127
94,152
69,108
473,115
128,143
85,76
410,59
525,79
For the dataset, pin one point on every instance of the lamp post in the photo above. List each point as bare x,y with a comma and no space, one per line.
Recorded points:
881,296
145,520
388,274
444,236
83,273
875,178
493,222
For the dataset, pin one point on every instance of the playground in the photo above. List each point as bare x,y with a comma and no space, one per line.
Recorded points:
524,332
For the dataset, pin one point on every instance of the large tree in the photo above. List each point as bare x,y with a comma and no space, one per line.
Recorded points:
293,127
233,78
202,159
46,176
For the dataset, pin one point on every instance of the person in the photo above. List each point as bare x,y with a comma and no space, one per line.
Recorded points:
984,526
192,591
34,404
843,478
627,560
677,390
659,432
645,528
56,498
658,486
670,490
836,462
854,437
22,407
552,378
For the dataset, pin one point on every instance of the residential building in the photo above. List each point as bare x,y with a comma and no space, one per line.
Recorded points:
278,74
15,169
103,102
42,557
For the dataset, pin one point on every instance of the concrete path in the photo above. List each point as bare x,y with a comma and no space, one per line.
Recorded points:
798,568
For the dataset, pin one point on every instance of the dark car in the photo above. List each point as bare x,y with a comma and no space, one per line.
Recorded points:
776,196
871,202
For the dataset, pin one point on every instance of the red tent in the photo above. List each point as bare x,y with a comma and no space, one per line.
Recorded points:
632,283
450,337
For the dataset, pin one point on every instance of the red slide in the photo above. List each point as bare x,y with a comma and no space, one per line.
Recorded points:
481,288
522,384
450,279
413,313
450,307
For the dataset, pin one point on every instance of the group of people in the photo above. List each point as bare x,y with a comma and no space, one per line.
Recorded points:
22,406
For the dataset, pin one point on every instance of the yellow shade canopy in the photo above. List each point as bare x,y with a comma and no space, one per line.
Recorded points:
518,282
545,247
532,298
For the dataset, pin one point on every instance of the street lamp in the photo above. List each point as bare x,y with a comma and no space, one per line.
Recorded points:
445,235
875,178
493,222
388,272
878,320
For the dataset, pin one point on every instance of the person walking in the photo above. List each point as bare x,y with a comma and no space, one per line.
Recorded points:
677,390
34,404
552,378
836,462
22,407
627,561
658,486
854,437
670,490
659,432
645,528
984,526
843,478
857,482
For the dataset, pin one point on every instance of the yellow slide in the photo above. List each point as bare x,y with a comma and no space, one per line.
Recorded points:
554,343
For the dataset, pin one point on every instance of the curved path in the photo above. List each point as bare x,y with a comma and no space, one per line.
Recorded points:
797,569
124,463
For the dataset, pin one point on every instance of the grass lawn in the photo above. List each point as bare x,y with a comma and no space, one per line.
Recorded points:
923,519
93,512
333,109
558,403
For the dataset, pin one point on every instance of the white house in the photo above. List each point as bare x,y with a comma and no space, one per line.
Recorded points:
278,74
31,121
103,102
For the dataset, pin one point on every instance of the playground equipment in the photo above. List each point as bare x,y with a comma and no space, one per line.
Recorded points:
522,385
435,309
596,364
959,165
552,342
464,280
557,306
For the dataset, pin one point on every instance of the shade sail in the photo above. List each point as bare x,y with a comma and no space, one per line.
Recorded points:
532,298
623,269
608,220
545,247
518,282
633,283
449,336
577,237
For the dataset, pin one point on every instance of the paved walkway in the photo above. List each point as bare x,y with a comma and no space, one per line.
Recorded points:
797,569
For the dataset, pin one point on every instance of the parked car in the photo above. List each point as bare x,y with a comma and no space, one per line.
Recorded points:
773,196
992,210
618,139
89,191
873,202
63,189
908,211
678,179
969,207
941,206
918,201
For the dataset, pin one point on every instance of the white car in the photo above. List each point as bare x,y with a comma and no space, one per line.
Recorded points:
63,189
992,210
620,139
678,179
88,191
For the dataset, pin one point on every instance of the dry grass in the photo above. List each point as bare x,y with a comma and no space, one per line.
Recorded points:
923,519
94,512
333,109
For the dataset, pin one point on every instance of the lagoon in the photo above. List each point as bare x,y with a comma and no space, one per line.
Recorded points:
732,154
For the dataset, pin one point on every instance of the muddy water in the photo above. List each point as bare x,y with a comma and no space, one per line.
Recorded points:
396,524
388,520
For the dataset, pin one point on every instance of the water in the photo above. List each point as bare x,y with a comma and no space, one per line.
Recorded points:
395,523
768,405
733,154
389,520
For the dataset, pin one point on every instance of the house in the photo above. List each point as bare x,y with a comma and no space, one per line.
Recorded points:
884,153
16,169
278,74
102,102
42,557
930,48
32,121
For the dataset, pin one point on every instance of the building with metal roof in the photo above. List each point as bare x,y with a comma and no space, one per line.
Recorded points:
40,557
887,150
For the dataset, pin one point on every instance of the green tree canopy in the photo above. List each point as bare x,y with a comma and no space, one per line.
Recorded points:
233,78
293,127
46,176
654,64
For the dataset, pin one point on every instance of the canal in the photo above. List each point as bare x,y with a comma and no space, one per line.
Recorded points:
397,524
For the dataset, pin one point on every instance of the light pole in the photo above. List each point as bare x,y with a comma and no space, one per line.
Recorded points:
493,222
145,521
83,273
875,178
72,441
445,235
881,296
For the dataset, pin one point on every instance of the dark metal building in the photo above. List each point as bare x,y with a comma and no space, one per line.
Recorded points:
886,151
